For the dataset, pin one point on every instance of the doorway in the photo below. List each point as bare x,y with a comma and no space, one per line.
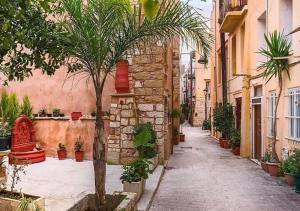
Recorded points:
257,137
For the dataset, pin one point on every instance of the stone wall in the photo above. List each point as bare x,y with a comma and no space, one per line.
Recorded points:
149,100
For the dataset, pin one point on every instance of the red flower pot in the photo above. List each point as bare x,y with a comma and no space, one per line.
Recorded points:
226,144
61,154
182,137
273,169
122,81
264,166
76,115
289,178
236,150
176,140
79,156
221,141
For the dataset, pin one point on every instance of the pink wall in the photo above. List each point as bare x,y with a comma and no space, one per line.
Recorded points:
58,91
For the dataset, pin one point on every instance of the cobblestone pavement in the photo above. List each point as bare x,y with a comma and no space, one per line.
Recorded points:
202,176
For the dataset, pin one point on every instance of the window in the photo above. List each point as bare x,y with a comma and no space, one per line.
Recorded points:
271,117
294,113
233,56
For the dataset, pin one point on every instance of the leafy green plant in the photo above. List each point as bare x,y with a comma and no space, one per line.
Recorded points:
144,139
10,108
206,124
278,46
5,129
26,107
42,111
235,137
175,131
175,113
78,145
56,110
136,171
224,119
218,117
62,146
27,204
266,157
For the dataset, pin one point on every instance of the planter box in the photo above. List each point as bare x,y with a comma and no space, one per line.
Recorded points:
135,187
154,163
236,150
289,178
221,141
118,201
264,166
182,137
176,140
8,204
273,169
226,144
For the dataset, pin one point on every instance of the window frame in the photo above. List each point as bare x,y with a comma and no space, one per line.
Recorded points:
271,112
294,113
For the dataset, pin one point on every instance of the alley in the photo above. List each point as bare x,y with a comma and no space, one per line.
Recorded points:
202,176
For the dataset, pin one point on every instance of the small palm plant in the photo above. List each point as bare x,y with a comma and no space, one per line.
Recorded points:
276,66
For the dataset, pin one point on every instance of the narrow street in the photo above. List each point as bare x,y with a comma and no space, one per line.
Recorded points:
202,176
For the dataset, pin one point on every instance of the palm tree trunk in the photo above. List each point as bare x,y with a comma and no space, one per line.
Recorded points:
274,153
99,157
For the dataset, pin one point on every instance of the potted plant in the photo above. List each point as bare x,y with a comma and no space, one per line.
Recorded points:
42,112
76,115
79,153
5,136
61,152
264,160
55,112
93,114
177,136
206,125
144,140
288,169
295,169
235,141
134,176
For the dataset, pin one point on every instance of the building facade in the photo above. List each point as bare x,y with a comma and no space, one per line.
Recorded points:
245,24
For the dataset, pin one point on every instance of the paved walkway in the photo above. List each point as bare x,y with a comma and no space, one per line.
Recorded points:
202,176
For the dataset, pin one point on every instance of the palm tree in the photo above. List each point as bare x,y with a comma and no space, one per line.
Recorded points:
100,32
277,51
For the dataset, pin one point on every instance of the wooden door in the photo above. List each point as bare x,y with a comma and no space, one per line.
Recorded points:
238,113
257,132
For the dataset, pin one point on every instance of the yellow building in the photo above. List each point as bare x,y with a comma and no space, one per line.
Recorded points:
245,24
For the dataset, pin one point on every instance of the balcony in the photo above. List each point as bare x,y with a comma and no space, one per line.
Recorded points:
235,11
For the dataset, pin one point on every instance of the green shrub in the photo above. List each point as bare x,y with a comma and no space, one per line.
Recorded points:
266,157
136,171
5,129
206,125
26,107
224,119
144,140
235,137
175,113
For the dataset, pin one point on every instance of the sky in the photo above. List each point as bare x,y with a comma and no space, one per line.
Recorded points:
206,8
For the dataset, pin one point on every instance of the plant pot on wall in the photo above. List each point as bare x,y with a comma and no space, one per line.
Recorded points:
226,144
236,150
76,115
122,80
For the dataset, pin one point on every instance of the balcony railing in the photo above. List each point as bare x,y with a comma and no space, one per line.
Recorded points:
234,5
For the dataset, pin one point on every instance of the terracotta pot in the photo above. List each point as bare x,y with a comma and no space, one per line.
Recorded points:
79,156
236,150
226,144
61,154
289,178
122,81
76,115
264,166
176,140
273,169
221,141
182,137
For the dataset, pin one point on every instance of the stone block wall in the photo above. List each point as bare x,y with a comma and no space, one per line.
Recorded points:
148,101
